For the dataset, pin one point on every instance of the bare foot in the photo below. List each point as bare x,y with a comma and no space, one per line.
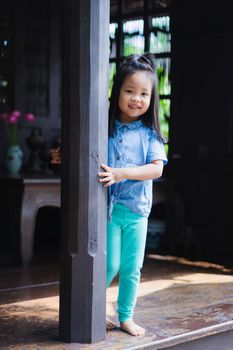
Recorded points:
110,324
132,328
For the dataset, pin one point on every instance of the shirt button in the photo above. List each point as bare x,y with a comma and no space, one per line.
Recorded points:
117,158
120,141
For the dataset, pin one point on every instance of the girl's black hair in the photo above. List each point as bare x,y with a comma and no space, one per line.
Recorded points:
131,65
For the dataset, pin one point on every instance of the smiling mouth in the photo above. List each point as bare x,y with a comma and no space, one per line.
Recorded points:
134,107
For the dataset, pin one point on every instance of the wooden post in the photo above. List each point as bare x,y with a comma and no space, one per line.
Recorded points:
84,142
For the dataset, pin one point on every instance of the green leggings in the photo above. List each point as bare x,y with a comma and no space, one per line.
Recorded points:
126,239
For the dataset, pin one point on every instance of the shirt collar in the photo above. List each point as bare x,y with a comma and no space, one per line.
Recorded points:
133,125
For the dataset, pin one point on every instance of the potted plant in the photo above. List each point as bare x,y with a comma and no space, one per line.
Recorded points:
14,156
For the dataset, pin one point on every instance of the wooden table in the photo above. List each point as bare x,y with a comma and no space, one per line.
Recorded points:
26,194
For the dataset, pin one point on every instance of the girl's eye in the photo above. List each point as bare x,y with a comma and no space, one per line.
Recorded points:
129,91
145,94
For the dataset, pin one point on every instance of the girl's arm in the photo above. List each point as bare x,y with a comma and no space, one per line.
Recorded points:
145,172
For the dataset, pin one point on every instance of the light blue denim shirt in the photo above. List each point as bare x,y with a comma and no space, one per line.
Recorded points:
132,145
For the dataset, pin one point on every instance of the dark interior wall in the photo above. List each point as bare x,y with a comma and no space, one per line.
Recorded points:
36,66
201,128
202,72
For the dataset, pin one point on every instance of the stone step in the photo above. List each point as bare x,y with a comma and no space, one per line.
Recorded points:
216,337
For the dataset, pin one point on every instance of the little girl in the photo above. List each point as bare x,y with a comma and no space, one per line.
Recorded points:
136,156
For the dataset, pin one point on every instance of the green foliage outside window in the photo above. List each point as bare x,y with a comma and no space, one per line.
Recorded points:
164,86
133,37
112,72
164,114
130,49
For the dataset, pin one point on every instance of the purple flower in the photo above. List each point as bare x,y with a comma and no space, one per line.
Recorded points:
29,117
17,114
11,119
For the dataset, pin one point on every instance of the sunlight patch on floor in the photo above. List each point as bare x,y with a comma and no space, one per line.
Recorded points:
185,261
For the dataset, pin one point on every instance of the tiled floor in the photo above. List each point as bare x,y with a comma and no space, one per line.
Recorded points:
178,299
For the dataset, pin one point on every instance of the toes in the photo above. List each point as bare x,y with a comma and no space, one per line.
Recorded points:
109,324
133,332
109,327
141,331
132,328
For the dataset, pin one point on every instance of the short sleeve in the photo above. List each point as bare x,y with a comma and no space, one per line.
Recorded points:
156,149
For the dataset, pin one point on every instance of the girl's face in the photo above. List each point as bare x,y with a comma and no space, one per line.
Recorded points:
135,96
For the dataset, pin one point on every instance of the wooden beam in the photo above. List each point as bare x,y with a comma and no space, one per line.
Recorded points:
84,140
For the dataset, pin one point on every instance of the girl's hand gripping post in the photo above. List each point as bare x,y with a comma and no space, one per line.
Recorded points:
111,175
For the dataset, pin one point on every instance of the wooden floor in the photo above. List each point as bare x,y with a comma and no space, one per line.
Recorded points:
179,300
